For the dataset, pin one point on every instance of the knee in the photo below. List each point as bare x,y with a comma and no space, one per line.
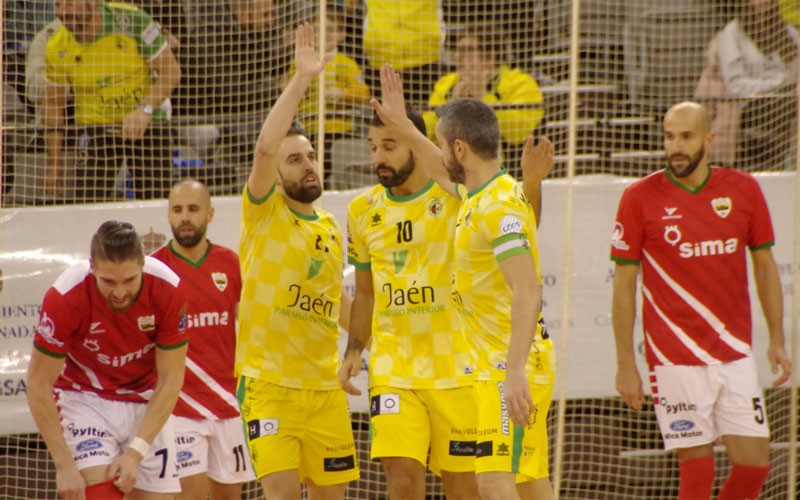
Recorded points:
493,487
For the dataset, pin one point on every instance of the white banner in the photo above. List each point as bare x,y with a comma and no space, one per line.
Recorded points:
36,244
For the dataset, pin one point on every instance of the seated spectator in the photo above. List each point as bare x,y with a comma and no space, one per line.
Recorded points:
35,77
758,57
121,71
480,75
407,35
344,89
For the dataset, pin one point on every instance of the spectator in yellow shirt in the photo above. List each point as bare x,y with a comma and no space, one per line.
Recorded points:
480,75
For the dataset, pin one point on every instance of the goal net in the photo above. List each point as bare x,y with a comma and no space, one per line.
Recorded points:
595,76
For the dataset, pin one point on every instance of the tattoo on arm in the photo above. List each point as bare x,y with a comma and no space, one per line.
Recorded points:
355,345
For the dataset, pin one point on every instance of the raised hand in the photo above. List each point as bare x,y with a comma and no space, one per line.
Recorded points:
537,160
306,59
392,108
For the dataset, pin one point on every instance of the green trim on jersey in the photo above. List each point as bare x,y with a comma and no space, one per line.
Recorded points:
412,196
181,257
49,353
672,179
620,260
256,201
500,172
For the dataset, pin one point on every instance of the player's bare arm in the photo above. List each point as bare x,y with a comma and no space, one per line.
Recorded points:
623,314
392,112
360,330
168,74
536,163
770,295
308,64
170,366
519,272
43,371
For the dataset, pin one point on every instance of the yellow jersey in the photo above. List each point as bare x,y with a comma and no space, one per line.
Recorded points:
109,76
291,289
406,242
404,34
495,222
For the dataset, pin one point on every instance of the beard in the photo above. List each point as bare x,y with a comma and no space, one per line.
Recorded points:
189,240
398,176
455,171
298,192
692,162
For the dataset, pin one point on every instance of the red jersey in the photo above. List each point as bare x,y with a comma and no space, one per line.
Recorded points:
213,285
691,246
111,353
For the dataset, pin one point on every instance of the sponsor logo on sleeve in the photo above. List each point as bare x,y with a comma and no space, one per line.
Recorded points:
47,330
183,320
150,34
510,224
616,237
385,404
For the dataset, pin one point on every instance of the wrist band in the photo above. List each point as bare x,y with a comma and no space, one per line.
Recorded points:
140,445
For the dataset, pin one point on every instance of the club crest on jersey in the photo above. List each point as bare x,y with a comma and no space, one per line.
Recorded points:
147,323
722,206
435,207
220,281
91,345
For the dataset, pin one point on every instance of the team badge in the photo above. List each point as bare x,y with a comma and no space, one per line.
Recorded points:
220,280
435,207
722,206
147,323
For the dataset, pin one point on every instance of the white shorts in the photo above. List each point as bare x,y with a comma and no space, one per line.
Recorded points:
697,404
214,447
97,430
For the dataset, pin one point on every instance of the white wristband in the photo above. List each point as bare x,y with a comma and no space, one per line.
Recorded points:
140,445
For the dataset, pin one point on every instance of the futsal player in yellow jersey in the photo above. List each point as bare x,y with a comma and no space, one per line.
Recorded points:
297,418
497,290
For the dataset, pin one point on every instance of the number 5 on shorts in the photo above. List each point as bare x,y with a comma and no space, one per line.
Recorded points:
759,409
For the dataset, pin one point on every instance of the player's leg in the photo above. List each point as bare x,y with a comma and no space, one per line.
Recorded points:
742,421
191,445
684,399
229,465
400,439
274,418
534,470
328,462
329,492
282,485
453,420
496,447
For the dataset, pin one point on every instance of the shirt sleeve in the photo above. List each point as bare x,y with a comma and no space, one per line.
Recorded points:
151,41
760,233
626,240
507,225
172,331
58,325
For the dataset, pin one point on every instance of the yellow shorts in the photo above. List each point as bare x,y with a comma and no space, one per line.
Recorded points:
504,447
407,422
299,429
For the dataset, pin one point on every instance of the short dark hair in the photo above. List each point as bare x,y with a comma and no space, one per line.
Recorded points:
411,113
473,122
116,242
296,128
